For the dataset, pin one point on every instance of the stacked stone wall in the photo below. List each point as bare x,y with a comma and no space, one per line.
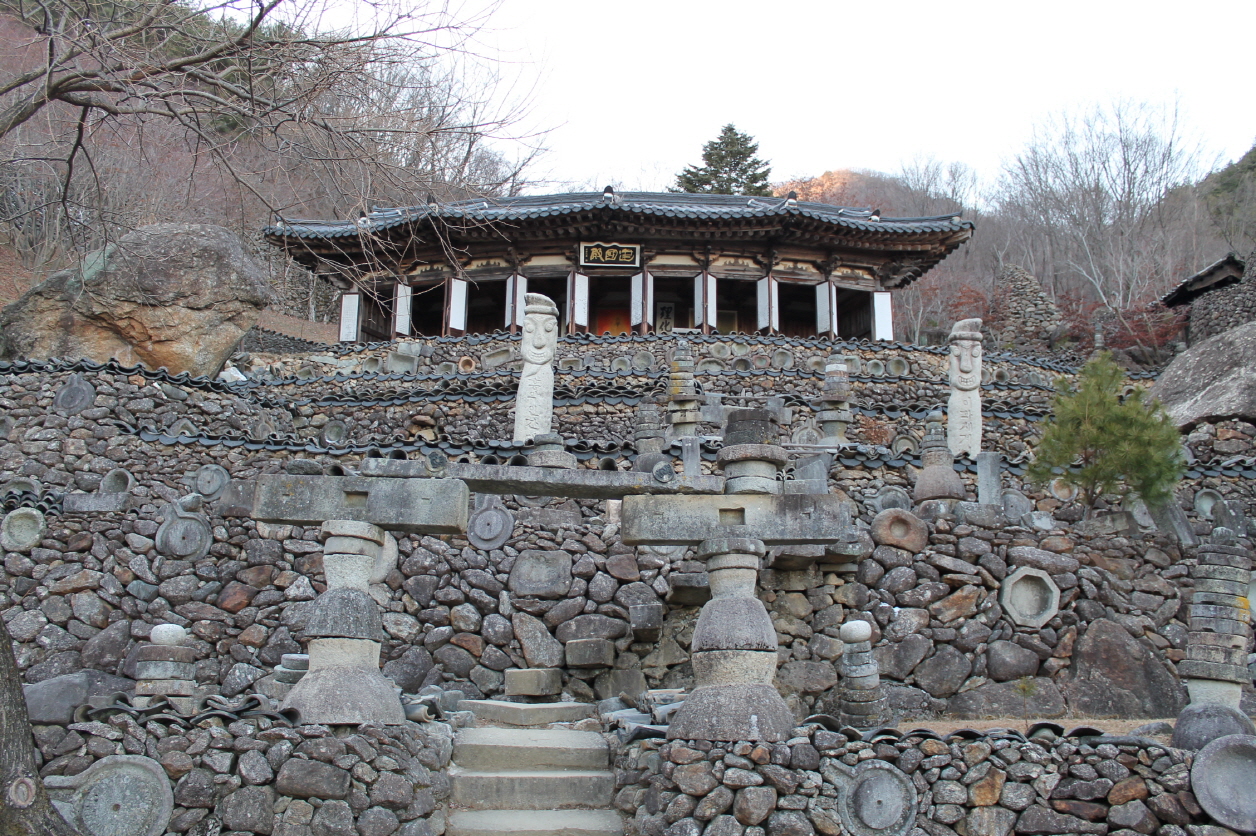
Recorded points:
979,785
1229,307
251,776
91,590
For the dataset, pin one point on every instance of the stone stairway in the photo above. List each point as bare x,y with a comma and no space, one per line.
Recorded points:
532,782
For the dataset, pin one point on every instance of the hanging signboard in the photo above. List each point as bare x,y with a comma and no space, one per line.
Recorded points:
601,254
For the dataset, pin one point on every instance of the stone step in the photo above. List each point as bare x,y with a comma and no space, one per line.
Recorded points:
531,749
519,789
525,713
535,823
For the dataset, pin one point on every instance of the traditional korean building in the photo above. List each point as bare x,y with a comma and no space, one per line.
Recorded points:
633,262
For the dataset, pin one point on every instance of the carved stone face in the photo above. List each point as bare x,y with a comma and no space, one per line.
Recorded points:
540,339
965,364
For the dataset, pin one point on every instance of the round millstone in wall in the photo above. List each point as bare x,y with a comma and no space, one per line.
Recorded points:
710,365
816,363
901,529
387,560
21,530
333,433
118,480
209,481
876,368
720,351
120,795
642,361
877,799
898,366
184,535
621,364
21,484
782,358
490,526
75,396
1204,502
1029,597
1062,490
892,496
1202,723
1221,779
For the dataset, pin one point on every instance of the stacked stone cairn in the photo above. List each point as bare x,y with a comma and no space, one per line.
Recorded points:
1215,667
833,409
344,684
937,479
863,702
648,438
550,451
167,669
683,407
291,668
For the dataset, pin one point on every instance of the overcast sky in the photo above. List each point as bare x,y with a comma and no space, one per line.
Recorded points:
631,89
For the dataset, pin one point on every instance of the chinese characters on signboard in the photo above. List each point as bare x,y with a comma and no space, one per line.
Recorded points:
600,254
664,317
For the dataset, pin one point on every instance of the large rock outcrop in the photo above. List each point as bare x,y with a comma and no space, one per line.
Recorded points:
1212,380
173,295
1114,675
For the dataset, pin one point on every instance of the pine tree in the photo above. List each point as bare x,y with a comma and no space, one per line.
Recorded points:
729,166
1105,444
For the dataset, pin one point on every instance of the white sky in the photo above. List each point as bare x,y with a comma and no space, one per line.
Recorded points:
633,88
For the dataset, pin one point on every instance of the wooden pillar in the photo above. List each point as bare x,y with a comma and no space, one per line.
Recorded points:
826,309
768,316
455,307
402,298
882,316
577,302
516,290
350,311
641,313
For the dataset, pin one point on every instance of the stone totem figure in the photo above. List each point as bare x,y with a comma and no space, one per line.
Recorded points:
963,410
534,404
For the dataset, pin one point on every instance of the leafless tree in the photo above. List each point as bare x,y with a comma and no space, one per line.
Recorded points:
1104,200
234,111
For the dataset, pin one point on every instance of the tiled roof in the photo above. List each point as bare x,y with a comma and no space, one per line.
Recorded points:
1222,272
697,207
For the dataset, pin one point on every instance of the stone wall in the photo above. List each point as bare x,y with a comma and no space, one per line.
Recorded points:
1025,320
1220,310
981,785
92,589
250,776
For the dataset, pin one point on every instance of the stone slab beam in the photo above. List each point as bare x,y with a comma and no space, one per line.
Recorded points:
774,519
544,481
420,506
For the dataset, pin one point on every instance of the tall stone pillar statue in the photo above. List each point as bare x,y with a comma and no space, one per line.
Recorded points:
963,410
534,404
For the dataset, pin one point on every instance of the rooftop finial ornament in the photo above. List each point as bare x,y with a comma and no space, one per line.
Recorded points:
534,404
963,410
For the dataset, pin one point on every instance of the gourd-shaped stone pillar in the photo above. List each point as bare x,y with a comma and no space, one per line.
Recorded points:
963,410
734,643
937,479
834,412
682,394
344,684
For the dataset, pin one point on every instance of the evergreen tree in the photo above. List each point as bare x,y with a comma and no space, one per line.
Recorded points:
1105,444
729,166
